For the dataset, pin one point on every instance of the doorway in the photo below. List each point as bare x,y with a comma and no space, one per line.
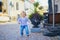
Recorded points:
0,6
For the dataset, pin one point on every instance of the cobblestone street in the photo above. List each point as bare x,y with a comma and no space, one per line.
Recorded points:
11,32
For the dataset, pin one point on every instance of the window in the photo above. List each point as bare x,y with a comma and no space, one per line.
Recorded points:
0,6
17,6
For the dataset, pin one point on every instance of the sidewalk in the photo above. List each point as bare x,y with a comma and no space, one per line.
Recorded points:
8,23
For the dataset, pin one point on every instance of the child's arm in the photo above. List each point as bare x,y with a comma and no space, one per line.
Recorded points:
28,20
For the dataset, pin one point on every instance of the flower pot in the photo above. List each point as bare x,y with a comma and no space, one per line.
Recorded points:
35,30
35,19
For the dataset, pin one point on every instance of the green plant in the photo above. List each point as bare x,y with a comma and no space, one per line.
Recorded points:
36,17
36,4
31,16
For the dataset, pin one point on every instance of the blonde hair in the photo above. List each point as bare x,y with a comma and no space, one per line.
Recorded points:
23,13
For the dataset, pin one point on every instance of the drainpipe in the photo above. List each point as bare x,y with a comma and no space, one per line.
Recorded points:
53,3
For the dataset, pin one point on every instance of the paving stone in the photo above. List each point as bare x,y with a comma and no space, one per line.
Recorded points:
12,32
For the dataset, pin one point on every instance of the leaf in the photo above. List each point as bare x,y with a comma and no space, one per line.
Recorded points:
36,4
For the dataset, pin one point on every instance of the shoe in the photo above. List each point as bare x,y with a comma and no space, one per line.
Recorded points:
21,35
28,35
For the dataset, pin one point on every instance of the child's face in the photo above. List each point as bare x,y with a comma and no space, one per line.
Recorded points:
23,14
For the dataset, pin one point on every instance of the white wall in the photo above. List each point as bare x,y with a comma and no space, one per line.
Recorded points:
12,10
0,0
58,3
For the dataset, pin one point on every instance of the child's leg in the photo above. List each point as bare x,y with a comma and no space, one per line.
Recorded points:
26,30
21,30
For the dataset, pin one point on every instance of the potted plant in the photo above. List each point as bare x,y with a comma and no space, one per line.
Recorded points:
36,18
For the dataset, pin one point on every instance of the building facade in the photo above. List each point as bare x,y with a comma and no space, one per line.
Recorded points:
13,7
